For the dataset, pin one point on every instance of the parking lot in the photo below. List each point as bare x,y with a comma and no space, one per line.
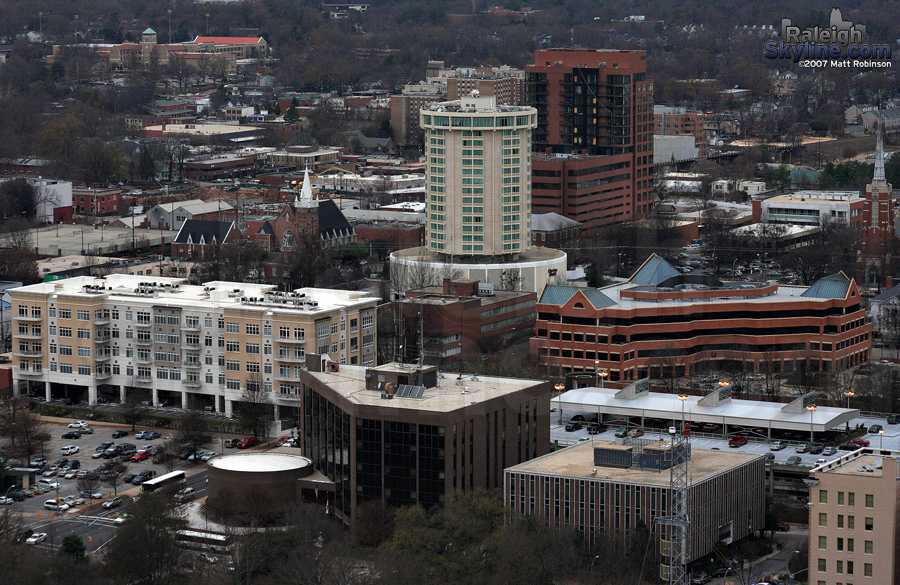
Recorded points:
889,440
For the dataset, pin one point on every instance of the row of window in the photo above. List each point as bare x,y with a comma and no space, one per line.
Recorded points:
839,568
851,498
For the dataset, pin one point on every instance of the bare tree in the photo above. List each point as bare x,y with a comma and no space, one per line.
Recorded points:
255,410
112,475
667,367
88,485
194,427
24,430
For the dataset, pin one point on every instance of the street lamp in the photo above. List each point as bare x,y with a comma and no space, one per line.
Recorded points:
559,388
881,439
850,394
787,564
683,398
812,409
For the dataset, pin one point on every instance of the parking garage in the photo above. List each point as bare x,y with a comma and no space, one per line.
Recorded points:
717,412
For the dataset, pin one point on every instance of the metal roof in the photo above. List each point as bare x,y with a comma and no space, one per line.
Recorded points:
835,286
653,271
560,295
747,413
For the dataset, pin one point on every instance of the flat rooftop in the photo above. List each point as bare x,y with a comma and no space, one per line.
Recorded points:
453,391
864,462
815,197
161,291
71,239
577,461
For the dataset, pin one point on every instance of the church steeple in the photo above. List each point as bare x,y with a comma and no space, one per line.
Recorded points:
879,158
306,194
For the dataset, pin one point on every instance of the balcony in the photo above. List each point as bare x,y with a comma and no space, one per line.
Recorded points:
102,338
29,372
102,375
143,324
101,320
290,359
193,365
27,353
290,340
37,335
29,318
286,378
144,361
143,342
191,345
140,379
287,396
192,383
102,357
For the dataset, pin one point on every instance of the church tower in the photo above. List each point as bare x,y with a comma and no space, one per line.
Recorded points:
878,223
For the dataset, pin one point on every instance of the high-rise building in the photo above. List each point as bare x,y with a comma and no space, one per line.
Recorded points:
853,512
597,103
478,177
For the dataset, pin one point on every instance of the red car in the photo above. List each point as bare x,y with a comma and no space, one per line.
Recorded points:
282,441
861,442
141,456
737,441
247,442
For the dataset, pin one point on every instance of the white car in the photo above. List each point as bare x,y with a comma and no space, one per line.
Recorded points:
4,501
78,424
56,505
36,538
70,449
46,484
73,501
120,519
71,474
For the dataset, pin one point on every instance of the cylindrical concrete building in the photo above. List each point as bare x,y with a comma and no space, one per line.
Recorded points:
256,484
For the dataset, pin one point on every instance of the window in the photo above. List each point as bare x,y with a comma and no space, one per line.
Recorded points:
232,328
253,348
253,367
84,334
63,313
207,321
851,522
851,499
822,565
83,315
233,384
368,320
65,368
84,370
233,366
849,567
65,350
840,498
839,567
323,330
52,311
267,330
65,332
867,569
849,545
233,346
840,543
284,332
252,329
870,501
84,352
869,547
840,521
823,496
192,321
823,519
823,541
870,524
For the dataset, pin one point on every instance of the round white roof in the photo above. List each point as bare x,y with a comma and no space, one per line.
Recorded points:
259,462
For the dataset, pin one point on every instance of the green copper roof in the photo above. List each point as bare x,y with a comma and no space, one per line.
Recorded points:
830,287
653,271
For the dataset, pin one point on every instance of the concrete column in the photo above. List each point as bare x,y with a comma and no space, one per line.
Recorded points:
46,390
92,393
121,394
228,408
184,399
155,399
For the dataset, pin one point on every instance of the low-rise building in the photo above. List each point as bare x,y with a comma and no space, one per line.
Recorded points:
811,208
597,487
462,321
662,323
93,202
171,216
554,231
197,236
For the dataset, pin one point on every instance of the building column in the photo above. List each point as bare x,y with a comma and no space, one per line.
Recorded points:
46,390
228,408
121,394
155,397
92,393
184,399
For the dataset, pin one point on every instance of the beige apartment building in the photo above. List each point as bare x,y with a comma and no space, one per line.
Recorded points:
854,521
478,177
161,341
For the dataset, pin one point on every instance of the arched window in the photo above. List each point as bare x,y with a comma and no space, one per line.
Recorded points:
287,240
579,305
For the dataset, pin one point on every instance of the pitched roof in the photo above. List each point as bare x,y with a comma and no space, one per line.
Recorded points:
149,31
548,222
888,294
554,294
835,286
203,231
332,223
229,40
653,271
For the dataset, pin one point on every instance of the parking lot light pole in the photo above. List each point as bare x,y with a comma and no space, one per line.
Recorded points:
787,565
683,398
850,394
881,439
559,388
812,409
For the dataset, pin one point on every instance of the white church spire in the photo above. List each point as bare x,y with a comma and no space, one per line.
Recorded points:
879,158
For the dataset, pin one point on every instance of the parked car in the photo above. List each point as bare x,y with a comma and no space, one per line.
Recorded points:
770,457
848,447
816,448
829,450
70,450
571,426
86,430
119,433
37,462
860,442
802,448
23,535
59,463
723,572
185,495
621,432
47,484
777,446
231,443
893,419
737,441
596,429
143,476
875,429
36,538
73,501
247,442
17,496
78,424
794,460
283,440
112,502
578,417
72,435
5,501
209,455
636,433
90,495
782,527
700,580
140,456
58,505
150,435
821,461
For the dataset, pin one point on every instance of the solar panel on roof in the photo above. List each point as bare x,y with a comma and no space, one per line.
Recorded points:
402,391
419,392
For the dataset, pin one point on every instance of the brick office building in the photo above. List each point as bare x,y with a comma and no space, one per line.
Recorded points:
463,320
599,103
90,201
409,437
677,121
661,319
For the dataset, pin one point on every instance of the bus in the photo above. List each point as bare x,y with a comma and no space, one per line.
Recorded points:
174,478
203,541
